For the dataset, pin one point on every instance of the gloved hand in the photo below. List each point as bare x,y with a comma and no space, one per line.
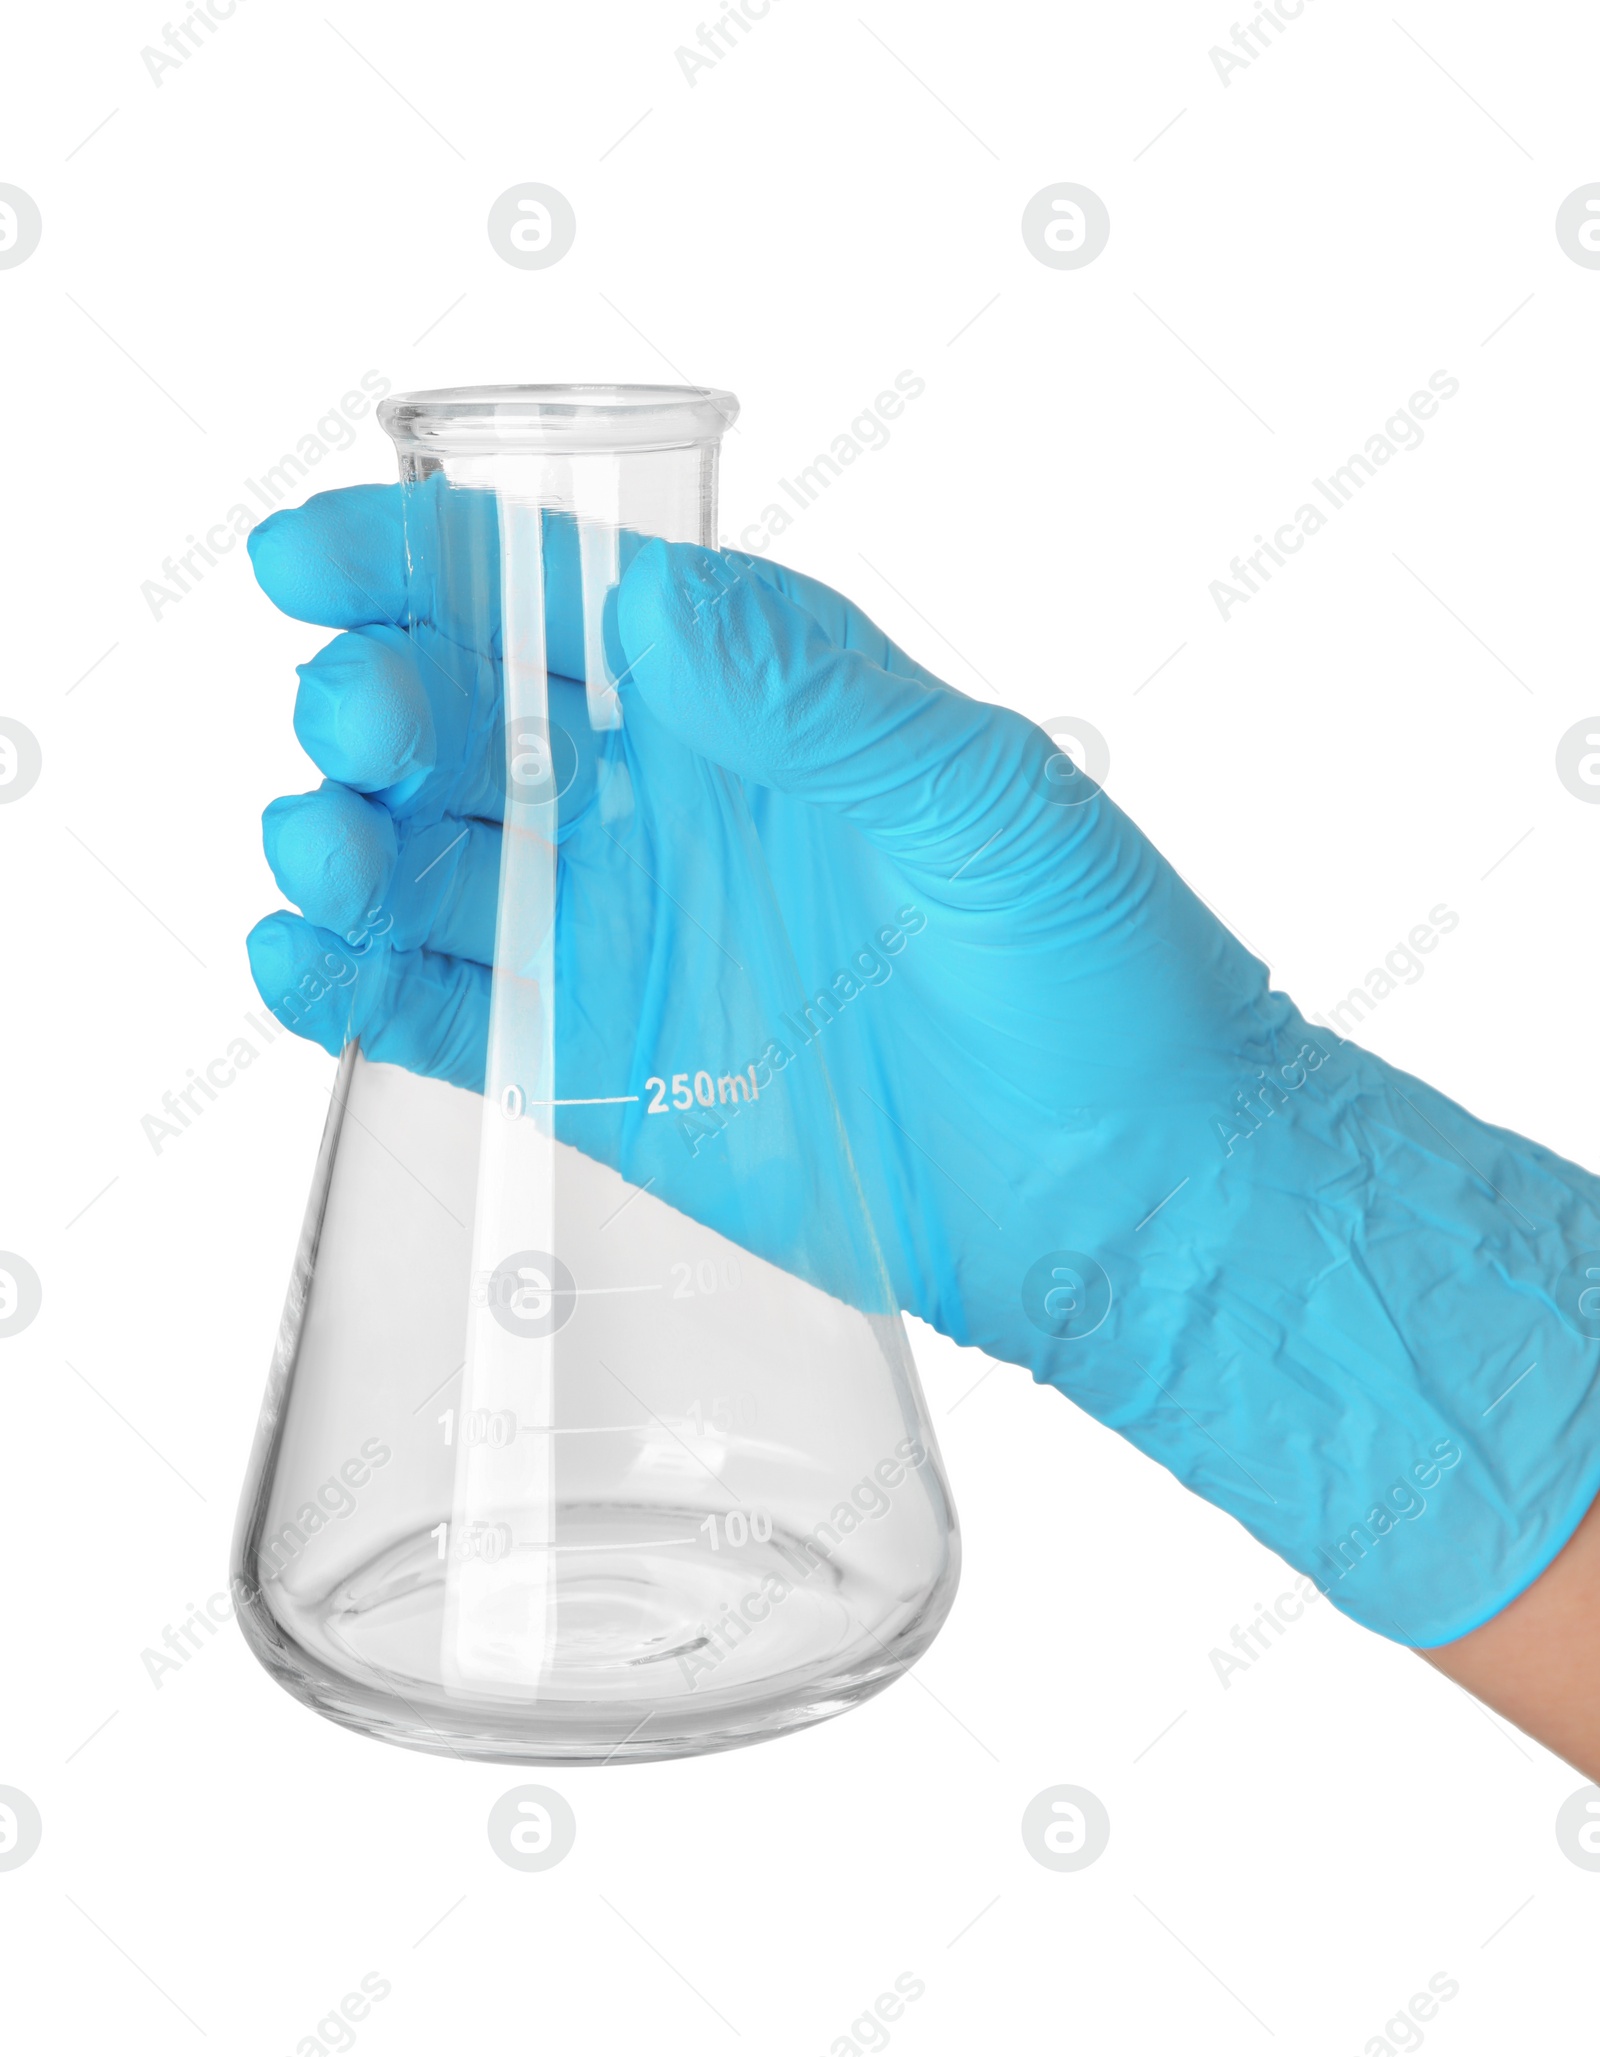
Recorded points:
1092,1139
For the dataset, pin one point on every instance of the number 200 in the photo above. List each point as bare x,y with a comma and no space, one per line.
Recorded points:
704,1277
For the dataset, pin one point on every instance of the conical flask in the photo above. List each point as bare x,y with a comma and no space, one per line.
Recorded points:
592,1432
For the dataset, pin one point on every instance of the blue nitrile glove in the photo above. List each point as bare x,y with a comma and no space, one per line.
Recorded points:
1092,1139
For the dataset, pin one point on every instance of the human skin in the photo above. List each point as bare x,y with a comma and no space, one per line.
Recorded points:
1538,1661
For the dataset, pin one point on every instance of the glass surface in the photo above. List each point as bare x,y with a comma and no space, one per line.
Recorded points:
592,1432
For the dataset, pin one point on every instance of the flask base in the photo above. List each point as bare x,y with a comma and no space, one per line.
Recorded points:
641,1646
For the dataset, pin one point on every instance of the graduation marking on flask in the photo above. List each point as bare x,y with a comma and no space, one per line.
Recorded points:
729,1087
514,1103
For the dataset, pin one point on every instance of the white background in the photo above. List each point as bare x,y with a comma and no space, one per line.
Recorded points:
1368,737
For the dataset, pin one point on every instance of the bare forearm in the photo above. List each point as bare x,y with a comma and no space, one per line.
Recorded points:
1538,1661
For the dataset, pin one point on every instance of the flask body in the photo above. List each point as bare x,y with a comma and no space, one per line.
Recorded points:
592,1432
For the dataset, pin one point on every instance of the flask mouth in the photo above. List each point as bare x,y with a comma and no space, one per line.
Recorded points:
472,419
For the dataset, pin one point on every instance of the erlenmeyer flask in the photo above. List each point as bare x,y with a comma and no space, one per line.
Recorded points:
592,1430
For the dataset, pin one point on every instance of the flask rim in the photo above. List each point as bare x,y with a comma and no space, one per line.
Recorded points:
587,418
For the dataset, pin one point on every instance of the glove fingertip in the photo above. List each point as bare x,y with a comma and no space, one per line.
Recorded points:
290,963
331,852
338,560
